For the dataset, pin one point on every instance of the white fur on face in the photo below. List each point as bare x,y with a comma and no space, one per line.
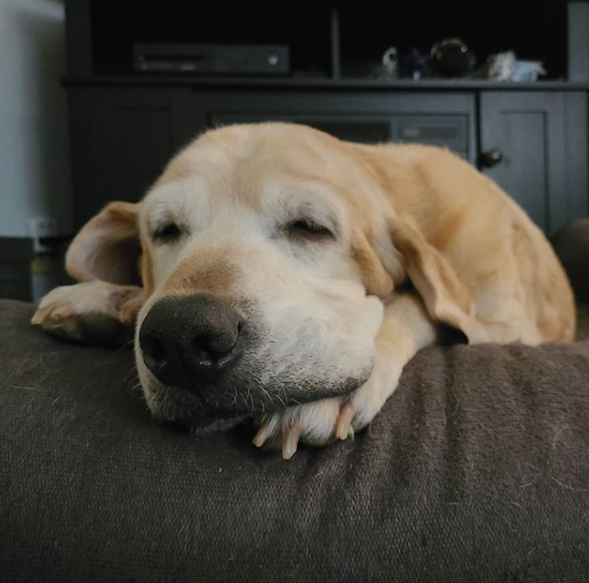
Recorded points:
314,325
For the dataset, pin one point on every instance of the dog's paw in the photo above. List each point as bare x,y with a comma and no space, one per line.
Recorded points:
320,422
313,423
93,312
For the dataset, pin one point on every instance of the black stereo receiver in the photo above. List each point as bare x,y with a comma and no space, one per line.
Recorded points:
212,59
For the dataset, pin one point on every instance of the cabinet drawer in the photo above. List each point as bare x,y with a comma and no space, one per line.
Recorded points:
450,131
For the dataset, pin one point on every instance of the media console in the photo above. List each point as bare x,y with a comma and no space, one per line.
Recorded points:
530,137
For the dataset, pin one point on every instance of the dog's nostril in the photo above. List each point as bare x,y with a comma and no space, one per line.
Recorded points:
213,347
154,350
158,351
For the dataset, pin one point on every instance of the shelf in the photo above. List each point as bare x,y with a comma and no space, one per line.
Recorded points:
317,83
333,49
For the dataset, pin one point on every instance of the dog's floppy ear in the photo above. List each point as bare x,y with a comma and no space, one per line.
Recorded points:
379,262
107,248
446,297
377,280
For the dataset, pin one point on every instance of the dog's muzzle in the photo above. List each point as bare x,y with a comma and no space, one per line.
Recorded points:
216,363
190,341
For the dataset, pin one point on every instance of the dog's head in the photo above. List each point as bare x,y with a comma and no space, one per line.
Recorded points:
266,253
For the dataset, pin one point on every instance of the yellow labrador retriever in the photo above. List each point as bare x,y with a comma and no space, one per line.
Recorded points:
279,274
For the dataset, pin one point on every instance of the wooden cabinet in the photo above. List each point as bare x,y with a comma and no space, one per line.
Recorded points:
122,137
542,141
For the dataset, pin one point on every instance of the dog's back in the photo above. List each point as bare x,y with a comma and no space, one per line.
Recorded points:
503,258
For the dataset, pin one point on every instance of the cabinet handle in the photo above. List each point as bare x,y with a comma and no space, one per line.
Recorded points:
490,158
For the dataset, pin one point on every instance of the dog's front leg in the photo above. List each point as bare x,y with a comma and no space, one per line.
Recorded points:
94,312
405,330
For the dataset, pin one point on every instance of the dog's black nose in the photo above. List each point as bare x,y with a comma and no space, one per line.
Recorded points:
190,340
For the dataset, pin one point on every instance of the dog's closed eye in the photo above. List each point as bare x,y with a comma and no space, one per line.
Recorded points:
168,233
308,229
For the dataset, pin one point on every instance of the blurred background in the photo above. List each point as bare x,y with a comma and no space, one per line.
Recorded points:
97,95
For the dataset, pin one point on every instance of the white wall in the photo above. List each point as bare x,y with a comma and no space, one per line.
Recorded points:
34,155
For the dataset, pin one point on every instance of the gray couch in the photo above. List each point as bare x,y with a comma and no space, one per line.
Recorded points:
477,470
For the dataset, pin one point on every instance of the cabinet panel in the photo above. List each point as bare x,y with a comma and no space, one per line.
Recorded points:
576,157
122,139
133,144
446,119
539,146
524,171
446,130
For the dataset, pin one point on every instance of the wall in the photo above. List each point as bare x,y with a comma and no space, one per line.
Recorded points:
34,149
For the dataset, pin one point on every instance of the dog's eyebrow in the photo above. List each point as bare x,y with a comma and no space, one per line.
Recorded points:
159,214
171,202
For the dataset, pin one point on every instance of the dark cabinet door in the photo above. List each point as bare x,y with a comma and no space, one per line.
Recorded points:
122,140
534,145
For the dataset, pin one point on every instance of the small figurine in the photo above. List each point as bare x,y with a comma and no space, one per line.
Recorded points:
452,58
390,63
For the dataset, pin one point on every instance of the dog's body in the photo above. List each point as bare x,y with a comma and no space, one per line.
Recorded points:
281,254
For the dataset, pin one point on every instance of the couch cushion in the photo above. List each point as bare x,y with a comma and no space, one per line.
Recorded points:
476,470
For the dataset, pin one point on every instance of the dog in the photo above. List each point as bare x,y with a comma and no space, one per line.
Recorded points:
275,273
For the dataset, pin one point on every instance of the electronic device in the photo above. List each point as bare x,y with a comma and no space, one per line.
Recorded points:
212,59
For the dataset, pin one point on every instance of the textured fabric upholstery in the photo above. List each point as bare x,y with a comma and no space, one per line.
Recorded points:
477,470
